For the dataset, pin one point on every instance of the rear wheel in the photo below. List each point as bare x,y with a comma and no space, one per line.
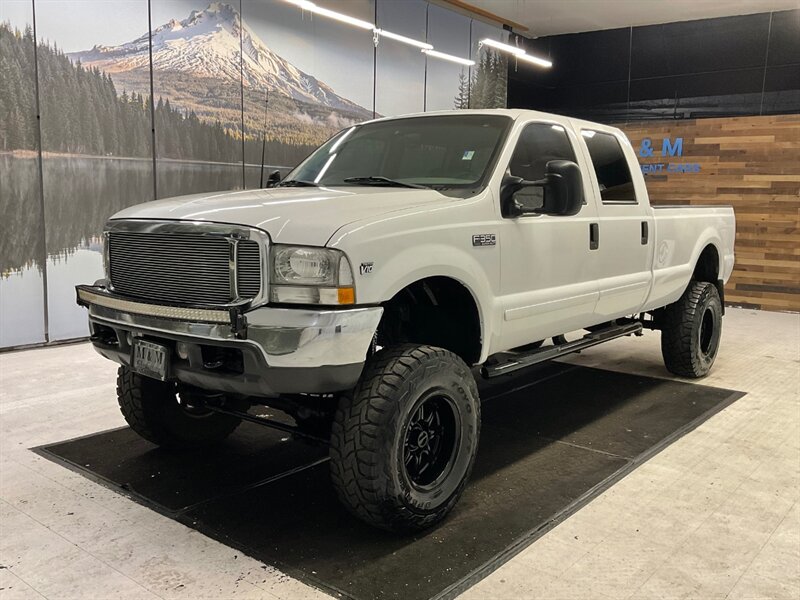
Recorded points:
404,443
155,411
691,330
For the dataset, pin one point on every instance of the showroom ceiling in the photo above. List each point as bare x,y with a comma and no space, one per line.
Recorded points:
551,17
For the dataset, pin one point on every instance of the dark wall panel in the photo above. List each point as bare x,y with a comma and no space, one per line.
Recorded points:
729,66
609,52
699,46
784,40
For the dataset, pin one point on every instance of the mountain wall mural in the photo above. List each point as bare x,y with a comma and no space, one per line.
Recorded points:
192,56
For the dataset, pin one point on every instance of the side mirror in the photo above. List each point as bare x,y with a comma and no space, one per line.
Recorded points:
274,178
562,188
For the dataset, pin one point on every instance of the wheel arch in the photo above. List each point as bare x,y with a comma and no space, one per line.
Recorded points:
439,310
708,267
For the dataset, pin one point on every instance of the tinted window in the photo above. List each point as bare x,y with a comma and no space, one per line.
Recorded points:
440,152
610,166
538,144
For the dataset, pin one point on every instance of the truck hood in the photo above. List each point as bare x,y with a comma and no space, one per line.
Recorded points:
305,216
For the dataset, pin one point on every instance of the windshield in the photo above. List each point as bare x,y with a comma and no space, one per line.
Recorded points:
439,152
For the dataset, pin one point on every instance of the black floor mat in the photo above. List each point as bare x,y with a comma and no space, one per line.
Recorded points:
551,439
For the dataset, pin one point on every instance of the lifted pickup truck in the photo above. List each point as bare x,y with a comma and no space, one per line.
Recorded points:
356,294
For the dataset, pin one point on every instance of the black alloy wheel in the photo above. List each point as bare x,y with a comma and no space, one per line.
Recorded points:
403,443
432,435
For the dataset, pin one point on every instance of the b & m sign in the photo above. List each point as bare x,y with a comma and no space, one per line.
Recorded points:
669,149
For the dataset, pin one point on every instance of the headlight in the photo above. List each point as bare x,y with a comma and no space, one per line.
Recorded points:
304,275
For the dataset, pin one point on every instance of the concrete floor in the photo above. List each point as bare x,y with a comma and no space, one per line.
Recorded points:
716,515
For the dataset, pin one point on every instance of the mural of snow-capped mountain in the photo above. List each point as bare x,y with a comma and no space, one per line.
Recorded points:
215,44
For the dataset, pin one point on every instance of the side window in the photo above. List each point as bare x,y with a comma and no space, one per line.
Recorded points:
538,144
610,166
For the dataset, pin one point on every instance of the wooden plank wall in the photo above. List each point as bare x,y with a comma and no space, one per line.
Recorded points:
752,163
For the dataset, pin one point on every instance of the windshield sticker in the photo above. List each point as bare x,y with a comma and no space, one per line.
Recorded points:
468,154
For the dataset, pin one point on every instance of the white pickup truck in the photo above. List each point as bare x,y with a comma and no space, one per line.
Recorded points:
357,294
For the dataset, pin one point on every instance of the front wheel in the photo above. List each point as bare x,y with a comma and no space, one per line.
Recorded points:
404,443
691,330
155,411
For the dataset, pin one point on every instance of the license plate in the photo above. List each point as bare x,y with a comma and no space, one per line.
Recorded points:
150,360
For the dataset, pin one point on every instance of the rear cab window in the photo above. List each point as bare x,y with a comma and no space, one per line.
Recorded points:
610,167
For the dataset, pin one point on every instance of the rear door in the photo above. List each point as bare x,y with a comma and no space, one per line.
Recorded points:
624,229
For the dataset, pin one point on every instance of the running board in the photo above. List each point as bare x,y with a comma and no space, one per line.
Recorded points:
512,361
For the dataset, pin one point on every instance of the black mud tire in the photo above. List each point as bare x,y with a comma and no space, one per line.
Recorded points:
375,439
691,330
152,410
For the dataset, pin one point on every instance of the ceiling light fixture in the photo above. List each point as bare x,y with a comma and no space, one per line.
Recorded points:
519,53
542,62
450,57
401,38
331,14
501,46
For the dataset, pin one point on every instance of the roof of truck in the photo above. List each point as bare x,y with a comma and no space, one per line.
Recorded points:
514,113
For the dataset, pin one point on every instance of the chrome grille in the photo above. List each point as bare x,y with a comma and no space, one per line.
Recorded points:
248,268
182,267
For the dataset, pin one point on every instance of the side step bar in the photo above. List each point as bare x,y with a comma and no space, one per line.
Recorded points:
513,361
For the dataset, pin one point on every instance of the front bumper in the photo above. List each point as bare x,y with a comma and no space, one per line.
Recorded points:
263,351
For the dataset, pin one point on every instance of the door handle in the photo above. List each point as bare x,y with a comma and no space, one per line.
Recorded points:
645,233
594,236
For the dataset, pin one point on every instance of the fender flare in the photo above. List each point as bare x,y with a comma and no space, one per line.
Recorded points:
462,269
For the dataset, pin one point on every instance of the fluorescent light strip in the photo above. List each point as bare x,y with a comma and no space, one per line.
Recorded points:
501,46
404,39
517,52
535,60
450,57
424,46
331,14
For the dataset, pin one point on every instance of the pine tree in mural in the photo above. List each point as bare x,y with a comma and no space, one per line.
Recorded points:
83,113
17,102
489,82
462,99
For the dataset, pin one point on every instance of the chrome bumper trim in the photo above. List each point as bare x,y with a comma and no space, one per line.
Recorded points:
285,337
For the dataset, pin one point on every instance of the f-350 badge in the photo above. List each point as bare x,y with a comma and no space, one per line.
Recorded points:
484,239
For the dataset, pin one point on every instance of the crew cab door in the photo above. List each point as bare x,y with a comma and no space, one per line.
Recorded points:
625,223
548,282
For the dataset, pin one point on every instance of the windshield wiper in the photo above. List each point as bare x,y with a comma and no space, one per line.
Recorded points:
297,183
385,181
